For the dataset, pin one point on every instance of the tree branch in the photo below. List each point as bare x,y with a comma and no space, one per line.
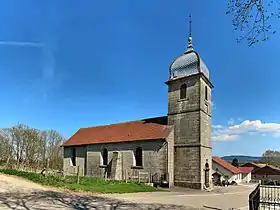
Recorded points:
251,19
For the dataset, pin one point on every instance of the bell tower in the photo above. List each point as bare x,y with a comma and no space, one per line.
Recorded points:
189,111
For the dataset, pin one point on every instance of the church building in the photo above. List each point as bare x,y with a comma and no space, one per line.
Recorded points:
175,149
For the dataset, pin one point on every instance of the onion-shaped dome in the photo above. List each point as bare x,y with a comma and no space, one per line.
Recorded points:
188,63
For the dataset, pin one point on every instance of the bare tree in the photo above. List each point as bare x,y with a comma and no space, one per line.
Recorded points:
252,18
5,147
17,135
53,149
22,146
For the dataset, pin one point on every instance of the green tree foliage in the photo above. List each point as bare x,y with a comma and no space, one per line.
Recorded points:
252,18
235,162
271,157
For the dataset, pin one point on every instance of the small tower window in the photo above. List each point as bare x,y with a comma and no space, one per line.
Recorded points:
73,157
138,156
105,157
183,91
206,93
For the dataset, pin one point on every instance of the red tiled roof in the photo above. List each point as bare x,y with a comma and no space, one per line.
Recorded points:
245,170
225,164
147,129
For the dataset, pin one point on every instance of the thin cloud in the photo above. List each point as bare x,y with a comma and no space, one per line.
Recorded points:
48,65
233,132
213,105
239,119
15,43
49,61
225,137
217,126
231,121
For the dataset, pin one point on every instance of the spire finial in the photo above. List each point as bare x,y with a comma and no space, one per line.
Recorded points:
190,25
190,33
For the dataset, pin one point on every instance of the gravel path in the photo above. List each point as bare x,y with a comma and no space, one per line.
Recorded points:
17,193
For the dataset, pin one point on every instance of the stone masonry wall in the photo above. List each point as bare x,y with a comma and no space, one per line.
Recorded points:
170,158
154,158
177,105
205,131
187,167
191,118
206,157
205,105
80,160
186,128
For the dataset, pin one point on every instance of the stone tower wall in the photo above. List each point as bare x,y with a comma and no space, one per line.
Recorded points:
191,118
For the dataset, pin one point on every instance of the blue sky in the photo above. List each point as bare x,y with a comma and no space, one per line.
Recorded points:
66,65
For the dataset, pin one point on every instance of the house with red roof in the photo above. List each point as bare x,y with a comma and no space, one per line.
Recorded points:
175,149
246,173
222,169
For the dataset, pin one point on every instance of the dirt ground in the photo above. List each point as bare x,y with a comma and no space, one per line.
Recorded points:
17,193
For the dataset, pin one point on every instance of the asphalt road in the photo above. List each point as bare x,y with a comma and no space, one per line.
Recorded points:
235,197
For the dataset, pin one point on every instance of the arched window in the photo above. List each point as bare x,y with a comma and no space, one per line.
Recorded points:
207,174
105,157
183,91
138,156
206,93
73,156
206,165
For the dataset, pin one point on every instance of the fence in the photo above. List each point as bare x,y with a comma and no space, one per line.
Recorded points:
128,175
140,176
265,197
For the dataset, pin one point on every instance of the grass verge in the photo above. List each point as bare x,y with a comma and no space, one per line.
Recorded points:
87,184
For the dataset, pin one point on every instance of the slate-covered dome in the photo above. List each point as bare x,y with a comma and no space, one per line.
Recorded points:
188,63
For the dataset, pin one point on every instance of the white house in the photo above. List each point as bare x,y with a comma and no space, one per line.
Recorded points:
221,169
246,173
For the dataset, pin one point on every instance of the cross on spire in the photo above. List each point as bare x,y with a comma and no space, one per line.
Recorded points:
190,34
190,25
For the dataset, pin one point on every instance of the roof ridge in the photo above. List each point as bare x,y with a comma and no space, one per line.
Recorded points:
144,129
273,167
225,164
119,123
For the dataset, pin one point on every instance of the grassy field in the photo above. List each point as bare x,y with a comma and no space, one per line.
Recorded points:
85,184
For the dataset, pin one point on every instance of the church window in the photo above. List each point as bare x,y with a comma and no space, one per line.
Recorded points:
105,157
138,156
183,91
206,93
73,156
